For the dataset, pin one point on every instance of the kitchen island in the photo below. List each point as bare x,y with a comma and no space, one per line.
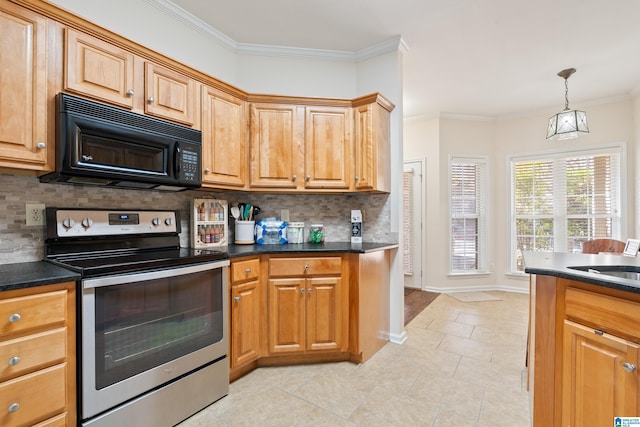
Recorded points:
584,338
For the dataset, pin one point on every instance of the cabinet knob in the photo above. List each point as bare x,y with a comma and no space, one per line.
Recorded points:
629,367
309,290
130,92
15,317
306,267
293,178
308,177
356,178
14,361
41,145
247,270
207,170
236,299
302,291
151,100
13,407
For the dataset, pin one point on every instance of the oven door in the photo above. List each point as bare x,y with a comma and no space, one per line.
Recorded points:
142,330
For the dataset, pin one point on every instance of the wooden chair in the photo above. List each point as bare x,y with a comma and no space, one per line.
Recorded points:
596,246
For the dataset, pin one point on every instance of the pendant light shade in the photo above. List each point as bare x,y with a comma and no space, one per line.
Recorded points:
568,123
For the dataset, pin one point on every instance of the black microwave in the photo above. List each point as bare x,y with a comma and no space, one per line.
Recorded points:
97,144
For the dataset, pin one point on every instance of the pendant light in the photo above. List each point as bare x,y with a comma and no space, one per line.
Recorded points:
568,123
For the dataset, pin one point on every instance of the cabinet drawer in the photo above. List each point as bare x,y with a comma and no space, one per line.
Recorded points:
57,421
39,395
32,311
304,266
242,271
610,314
32,352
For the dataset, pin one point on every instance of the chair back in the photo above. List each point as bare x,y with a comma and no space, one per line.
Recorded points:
596,246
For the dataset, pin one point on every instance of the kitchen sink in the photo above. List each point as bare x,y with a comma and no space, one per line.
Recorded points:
621,271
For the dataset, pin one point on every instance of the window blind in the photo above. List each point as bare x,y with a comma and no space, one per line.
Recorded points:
468,183
408,222
561,201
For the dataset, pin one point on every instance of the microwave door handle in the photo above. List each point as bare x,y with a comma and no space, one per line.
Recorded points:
176,159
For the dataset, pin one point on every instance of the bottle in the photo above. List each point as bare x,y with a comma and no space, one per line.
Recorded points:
201,212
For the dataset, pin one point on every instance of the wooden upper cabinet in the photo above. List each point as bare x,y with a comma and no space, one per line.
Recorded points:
224,139
98,69
170,95
106,72
328,147
25,139
276,146
372,147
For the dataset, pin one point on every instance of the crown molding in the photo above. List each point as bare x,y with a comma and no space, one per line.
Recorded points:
393,44
194,22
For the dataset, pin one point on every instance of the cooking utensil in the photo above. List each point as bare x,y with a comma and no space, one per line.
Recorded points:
235,212
247,212
256,211
241,210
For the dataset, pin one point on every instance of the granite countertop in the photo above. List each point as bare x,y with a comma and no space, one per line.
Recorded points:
558,264
301,248
29,274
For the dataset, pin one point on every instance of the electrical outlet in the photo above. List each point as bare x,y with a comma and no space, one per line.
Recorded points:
284,215
35,214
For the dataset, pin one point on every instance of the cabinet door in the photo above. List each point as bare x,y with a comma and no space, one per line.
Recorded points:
327,147
276,149
597,382
224,126
324,313
98,69
170,95
372,164
245,323
23,93
286,315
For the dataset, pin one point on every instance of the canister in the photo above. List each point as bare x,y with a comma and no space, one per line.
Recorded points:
316,233
295,232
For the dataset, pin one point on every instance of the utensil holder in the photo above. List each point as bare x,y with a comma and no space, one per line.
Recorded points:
245,232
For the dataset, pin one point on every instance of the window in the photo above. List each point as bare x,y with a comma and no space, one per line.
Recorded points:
468,182
561,200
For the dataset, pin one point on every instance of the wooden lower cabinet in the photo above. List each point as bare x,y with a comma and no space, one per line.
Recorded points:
37,347
599,378
289,309
246,314
306,315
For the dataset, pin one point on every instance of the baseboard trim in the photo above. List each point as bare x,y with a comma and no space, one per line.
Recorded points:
450,289
398,338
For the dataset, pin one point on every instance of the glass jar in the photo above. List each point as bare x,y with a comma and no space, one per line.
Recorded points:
316,233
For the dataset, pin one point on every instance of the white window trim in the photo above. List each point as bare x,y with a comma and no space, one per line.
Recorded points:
483,232
563,153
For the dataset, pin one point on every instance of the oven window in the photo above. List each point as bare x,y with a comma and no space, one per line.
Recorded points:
142,325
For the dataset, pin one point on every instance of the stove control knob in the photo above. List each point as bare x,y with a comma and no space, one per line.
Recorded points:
68,223
168,221
155,221
87,222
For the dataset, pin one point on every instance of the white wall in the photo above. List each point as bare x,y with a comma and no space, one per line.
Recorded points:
611,123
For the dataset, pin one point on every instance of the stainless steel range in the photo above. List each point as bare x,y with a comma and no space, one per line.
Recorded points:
152,315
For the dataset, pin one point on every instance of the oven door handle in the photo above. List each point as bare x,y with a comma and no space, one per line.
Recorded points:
120,279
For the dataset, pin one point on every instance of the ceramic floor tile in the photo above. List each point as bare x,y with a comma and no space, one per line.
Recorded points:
451,328
274,407
391,410
333,393
466,347
505,409
489,374
458,396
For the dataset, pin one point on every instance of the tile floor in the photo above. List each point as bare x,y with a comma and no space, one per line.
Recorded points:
462,365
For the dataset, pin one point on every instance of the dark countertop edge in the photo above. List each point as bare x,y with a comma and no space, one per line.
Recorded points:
236,251
557,264
25,275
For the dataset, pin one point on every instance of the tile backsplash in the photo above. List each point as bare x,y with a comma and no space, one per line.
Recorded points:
19,243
